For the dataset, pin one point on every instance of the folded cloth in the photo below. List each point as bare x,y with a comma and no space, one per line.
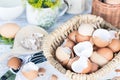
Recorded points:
37,58
9,75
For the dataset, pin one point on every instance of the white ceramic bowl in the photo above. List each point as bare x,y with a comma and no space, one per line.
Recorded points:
11,9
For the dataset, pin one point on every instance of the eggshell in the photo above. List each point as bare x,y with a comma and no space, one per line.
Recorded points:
98,59
72,36
68,66
115,45
68,43
81,38
41,71
101,37
106,53
54,77
30,71
113,34
31,75
94,67
63,54
82,65
64,63
86,29
83,49
14,63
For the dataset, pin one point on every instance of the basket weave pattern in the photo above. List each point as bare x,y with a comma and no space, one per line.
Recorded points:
110,13
55,39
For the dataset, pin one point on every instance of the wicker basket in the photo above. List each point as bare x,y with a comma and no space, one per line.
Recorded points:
55,39
110,13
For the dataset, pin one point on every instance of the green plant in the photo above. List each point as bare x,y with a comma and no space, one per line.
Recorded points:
44,3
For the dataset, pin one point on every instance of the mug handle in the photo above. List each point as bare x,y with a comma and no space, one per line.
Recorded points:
64,7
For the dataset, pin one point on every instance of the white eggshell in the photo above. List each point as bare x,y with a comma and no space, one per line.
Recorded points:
113,34
29,66
83,49
79,65
103,34
86,29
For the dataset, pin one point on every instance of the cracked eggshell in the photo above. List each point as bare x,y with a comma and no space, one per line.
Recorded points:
81,38
113,34
114,45
68,43
30,71
94,67
42,71
63,54
83,49
98,59
82,65
101,37
54,77
106,53
72,36
86,29
14,63
68,66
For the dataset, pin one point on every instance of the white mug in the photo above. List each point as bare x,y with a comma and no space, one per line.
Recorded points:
76,6
44,17
11,9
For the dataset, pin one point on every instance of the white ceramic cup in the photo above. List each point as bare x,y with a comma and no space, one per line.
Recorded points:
10,9
76,6
44,17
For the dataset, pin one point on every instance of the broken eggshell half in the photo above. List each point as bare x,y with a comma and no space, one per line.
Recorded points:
63,54
82,65
30,71
101,37
83,49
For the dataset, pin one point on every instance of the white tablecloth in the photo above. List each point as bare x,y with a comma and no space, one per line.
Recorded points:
21,20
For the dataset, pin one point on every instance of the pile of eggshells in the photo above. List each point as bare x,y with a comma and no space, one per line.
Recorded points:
88,49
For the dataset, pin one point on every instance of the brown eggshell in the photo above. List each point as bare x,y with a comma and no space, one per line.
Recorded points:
42,71
63,54
81,38
91,41
94,67
115,45
14,63
98,59
99,42
65,62
54,77
95,48
68,66
72,36
106,53
88,69
68,43
30,75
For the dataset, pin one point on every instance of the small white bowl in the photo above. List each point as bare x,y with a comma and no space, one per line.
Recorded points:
11,9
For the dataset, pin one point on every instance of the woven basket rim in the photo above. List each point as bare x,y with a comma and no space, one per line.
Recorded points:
107,5
92,76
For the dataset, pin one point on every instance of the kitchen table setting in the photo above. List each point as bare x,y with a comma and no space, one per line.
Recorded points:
59,40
